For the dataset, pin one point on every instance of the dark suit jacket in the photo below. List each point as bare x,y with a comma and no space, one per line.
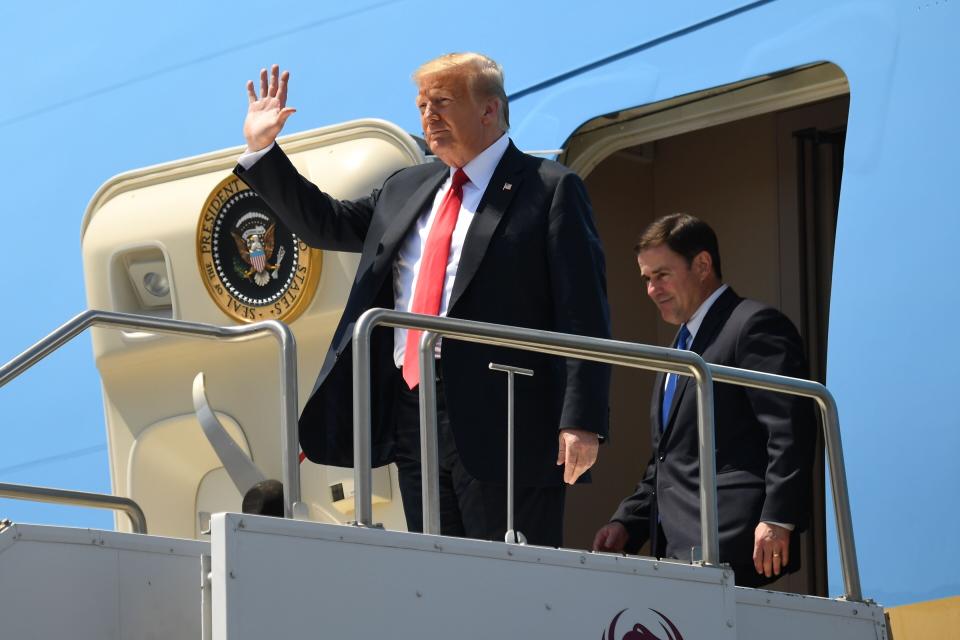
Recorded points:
764,443
531,258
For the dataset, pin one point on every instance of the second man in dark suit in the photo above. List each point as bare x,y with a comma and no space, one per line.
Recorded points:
764,440
487,234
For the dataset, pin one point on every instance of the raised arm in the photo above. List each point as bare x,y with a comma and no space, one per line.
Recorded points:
317,218
268,112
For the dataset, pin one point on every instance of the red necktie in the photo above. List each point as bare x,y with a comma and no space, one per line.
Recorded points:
433,272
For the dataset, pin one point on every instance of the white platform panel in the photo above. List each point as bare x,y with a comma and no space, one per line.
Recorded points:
82,584
796,617
282,578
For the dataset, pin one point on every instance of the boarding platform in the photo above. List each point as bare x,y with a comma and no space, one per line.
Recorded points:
290,577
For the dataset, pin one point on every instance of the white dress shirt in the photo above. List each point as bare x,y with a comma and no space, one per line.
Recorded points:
693,324
407,265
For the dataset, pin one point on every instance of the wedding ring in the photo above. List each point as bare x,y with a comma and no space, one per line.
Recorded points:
776,554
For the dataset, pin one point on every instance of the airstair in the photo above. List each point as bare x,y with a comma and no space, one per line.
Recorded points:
261,577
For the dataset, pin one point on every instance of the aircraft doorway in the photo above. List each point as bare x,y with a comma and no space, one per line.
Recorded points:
761,163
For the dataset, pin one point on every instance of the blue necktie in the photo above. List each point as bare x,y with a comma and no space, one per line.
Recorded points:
682,338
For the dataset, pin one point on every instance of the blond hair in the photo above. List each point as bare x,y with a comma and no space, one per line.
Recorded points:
484,75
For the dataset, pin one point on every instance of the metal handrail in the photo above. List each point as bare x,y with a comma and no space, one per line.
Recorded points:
600,350
549,342
138,521
289,444
831,436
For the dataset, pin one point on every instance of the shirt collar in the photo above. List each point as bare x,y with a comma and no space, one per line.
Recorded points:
693,324
480,169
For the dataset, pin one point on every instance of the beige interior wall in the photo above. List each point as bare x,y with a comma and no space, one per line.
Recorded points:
726,175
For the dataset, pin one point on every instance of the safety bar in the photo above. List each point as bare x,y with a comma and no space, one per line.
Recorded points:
600,350
549,342
78,498
289,444
512,535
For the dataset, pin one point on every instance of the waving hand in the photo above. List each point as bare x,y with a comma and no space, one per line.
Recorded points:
267,113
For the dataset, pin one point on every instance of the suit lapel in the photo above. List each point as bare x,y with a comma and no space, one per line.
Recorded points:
712,323
492,206
408,212
715,319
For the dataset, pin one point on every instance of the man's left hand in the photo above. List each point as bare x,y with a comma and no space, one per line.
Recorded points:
771,548
578,452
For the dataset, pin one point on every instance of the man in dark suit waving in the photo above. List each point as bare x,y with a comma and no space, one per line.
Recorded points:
764,440
487,234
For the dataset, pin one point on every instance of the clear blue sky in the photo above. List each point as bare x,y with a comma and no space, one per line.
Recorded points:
95,89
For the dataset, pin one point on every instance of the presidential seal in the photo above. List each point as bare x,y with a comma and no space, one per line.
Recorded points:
252,265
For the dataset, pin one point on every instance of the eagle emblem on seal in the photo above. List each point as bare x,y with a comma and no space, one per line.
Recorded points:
255,249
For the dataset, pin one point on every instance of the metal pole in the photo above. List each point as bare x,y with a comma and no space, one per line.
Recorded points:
841,499
512,532
289,414
709,522
206,598
429,448
362,480
138,521
511,529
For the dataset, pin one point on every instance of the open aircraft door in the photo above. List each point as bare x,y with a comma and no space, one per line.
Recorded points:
188,240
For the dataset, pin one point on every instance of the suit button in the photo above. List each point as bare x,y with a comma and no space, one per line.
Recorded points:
379,248
662,457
